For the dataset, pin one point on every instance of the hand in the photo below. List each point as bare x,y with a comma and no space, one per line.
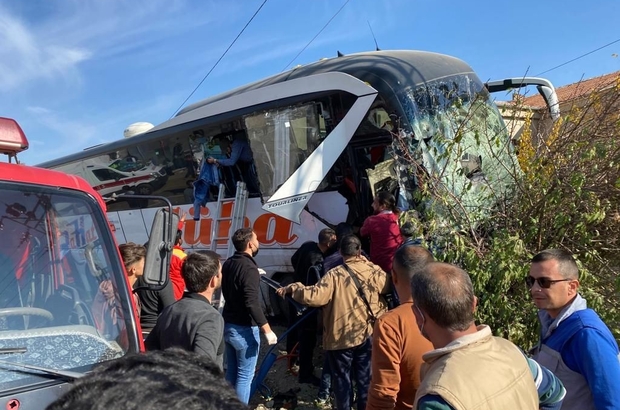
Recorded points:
271,337
282,291
210,160
107,290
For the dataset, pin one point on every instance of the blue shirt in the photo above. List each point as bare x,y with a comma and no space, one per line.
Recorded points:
587,347
240,151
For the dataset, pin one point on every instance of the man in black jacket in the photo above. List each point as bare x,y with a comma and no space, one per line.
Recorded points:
308,264
192,323
242,313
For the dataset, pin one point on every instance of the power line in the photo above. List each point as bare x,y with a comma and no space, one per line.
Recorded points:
581,56
317,34
220,59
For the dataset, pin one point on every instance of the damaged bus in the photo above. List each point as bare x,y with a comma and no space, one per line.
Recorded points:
324,138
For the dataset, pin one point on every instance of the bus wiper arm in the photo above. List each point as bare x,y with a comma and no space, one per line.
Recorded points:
12,350
65,374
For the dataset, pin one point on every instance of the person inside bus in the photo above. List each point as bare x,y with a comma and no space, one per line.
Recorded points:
241,156
383,230
209,176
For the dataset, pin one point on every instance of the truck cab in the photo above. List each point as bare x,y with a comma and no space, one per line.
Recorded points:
65,302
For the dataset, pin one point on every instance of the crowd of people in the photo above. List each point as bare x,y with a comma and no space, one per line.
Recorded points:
423,352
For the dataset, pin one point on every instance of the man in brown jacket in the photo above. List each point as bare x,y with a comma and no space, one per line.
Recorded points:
347,319
397,344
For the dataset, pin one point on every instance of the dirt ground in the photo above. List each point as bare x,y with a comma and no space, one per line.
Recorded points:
282,389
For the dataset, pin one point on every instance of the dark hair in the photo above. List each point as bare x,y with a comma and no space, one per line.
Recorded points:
342,229
446,294
567,266
386,199
326,235
241,238
170,379
131,253
350,245
198,268
408,229
412,258
179,237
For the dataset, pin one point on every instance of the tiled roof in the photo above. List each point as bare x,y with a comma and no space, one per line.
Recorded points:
576,90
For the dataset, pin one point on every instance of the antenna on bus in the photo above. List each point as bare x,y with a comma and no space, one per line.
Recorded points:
373,36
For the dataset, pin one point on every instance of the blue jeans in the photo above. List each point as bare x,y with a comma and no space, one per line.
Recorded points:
242,345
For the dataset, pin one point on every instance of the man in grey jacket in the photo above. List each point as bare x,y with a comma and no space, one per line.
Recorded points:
192,323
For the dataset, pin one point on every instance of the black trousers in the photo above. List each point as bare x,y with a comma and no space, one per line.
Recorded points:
347,364
305,335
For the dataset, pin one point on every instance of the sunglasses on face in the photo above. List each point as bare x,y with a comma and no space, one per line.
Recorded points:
543,282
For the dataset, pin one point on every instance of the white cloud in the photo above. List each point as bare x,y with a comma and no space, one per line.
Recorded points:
24,56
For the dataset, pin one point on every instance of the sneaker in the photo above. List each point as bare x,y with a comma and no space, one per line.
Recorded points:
322,403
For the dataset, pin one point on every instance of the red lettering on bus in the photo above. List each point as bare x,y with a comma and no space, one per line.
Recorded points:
272,229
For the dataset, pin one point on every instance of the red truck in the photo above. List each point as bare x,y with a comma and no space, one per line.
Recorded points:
65,302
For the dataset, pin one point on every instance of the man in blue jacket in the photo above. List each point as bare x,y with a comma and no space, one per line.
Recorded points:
574,342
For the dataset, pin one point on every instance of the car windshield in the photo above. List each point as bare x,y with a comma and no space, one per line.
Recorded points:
59,301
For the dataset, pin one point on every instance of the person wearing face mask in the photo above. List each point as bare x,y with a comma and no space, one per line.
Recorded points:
470,368
243,316
573,340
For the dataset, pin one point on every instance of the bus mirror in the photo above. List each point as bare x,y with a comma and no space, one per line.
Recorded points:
551,98
159,251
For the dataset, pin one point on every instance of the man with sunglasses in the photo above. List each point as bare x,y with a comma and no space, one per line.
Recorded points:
470,368
574,341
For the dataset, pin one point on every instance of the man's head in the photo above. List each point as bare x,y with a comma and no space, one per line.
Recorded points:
342,229
407,261
133,256
245,240
201,271
443,300
156,380
408,230
553,280
350,246
327,238
178,239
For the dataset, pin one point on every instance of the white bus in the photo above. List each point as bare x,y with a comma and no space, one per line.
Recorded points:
323,141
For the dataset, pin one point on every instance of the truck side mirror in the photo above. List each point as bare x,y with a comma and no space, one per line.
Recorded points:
159,251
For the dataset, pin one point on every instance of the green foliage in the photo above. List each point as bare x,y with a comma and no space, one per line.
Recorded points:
564,193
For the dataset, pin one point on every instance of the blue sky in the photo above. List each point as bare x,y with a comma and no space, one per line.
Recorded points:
75,73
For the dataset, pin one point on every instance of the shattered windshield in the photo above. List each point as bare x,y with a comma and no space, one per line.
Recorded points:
460,140
59,304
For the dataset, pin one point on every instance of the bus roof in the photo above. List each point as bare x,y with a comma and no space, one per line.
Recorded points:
404,67
38,176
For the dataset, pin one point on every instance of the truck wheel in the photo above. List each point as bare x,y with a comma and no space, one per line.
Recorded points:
144,189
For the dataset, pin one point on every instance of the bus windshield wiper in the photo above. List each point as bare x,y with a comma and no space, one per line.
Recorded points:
12,350
65,374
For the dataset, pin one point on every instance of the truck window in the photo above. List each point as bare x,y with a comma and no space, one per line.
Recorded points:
59,292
